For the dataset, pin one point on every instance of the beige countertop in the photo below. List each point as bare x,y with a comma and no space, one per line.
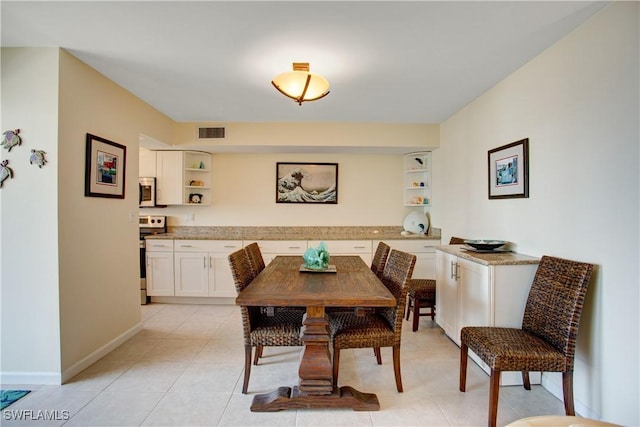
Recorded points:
496,258
292,233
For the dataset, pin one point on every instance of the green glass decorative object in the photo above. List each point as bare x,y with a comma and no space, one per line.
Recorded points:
317,258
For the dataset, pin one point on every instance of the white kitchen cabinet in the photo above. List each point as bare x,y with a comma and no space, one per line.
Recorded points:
272,248
479,289
423,249
362,248
202,268
417,179
183,178
159,259
147,163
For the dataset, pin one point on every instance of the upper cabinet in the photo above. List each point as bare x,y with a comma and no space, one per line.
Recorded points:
183,178
417,179
147,163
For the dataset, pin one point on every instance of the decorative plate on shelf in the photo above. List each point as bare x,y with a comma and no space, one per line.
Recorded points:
485,245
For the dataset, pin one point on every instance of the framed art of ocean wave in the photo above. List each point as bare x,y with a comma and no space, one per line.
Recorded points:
306,183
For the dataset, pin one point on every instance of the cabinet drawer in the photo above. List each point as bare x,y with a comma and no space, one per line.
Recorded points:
226,246
413,246
344,246
159,245
293,247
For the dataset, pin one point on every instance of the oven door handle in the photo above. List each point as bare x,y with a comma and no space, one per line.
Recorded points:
140,193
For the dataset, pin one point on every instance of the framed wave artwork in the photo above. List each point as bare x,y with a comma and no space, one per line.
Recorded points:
307,183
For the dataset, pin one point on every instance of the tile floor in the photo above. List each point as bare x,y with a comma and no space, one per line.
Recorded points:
185,368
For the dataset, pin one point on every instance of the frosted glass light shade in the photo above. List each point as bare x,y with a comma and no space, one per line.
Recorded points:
301,85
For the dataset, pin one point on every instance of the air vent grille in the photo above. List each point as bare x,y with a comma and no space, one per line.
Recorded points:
211,133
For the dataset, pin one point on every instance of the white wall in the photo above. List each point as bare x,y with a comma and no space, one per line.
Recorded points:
98,251
70,276
30,314
244,190
578,104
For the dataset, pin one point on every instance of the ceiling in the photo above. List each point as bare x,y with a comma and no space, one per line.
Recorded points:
393,62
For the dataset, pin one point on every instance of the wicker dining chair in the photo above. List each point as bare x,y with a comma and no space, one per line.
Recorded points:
547,340
380,258
261,330
422,294
255,258
379,328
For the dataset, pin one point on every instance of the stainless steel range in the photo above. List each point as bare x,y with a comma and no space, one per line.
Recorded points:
149,224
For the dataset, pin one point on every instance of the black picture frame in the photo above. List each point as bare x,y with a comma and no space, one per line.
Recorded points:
307,183
508,171
105,168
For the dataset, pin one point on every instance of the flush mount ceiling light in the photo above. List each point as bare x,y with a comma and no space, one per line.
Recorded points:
301,85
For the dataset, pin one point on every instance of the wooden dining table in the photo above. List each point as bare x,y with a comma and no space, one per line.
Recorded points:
348,283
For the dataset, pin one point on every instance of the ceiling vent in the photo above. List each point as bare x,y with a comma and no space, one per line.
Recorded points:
211,133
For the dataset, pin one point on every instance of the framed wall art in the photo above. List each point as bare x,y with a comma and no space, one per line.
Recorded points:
509,170
306,183
104,168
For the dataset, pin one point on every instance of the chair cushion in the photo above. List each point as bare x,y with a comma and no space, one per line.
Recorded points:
350,331
422,289
510,349
281,329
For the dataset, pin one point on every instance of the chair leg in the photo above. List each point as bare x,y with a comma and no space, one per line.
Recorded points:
567,390
376,351
525,380
258,354
494,391
247,368
396,367
464,353
408,306
416,314
336,363
433,313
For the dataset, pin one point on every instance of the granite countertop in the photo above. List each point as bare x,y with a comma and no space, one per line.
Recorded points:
292,233
497,258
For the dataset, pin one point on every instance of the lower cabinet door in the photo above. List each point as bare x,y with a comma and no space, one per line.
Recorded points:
192,274
160,274
220,278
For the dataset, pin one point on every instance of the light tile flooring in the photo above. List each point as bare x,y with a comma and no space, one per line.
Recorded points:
185,368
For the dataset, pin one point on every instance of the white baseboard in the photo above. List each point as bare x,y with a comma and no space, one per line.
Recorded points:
30,378
89,360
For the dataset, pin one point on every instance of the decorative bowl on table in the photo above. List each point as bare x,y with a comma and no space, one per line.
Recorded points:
485,245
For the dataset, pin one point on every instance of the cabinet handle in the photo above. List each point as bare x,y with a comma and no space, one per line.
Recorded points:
457,275
210,262
294,247
454,270
359,247
186,246
204,262
230,246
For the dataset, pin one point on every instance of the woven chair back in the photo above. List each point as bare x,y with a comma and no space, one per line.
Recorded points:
240,269
555,302
380,258
255,258
395,276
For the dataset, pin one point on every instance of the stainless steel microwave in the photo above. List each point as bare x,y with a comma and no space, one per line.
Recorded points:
147,192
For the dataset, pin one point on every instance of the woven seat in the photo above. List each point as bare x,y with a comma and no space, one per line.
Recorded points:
259,329
380,328
422,294
547,340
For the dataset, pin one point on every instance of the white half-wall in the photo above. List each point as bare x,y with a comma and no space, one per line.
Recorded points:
578,103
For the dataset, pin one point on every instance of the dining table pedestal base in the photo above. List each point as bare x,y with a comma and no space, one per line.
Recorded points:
292,398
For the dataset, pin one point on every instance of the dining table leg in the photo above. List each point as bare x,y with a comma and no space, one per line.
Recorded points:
315,388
